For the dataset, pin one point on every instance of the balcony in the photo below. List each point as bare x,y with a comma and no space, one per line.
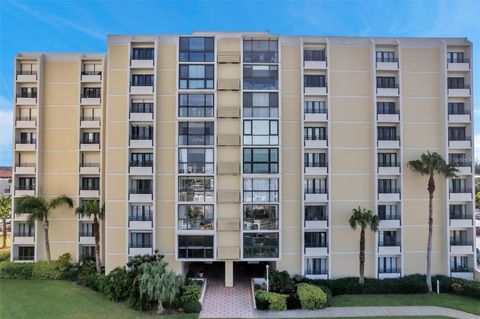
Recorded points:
388,91
140,224
26,122
320,90
393,222
316,251
141,168
26,145
27,76
389,248
91,76
463,247
141,116
388,142
314,65
458,65
387,64
463,116
141,196
23,239
135,251
459,92
311,197
89,168
141,63
317,169
25,168
320,143
317,276
90,99
228,85
388,168
25,190
224,57
460,194
141,142
464,167
462,143
392,194
86,239
391,274
89,192
27,99
467,273
461,221
316,224
136,89
89,145
388,117
316,117
90,122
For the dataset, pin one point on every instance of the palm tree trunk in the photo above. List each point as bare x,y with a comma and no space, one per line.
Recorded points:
47,241
4,224
96,234
160,309
362,256
431,189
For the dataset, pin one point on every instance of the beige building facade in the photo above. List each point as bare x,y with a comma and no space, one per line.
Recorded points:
250,148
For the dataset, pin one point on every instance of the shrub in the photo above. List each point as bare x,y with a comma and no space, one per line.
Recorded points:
328,292
57,269
10,270
280,282
115,284
193,306
190,293
311,297
458,286
293,302
4,255
261,299
46,270
270,300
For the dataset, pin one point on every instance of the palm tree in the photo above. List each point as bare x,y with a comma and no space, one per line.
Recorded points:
87,209
429,164
38,209
363,218
5,208
158,284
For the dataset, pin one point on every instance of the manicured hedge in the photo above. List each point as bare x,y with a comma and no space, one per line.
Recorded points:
57,269
270,300
311,297
457,286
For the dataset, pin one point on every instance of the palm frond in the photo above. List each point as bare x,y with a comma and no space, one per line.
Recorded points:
59,201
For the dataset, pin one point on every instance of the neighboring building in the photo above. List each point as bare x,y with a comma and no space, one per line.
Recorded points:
5,181
250,147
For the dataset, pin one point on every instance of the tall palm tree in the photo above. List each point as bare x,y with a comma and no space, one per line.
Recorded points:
90,208
429,164
5,209
363,218
38,209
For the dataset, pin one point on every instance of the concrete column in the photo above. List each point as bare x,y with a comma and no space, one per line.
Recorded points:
228,273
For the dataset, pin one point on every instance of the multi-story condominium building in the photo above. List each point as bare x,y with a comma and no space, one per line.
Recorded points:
250,148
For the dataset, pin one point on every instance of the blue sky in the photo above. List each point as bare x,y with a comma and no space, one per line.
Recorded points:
82,26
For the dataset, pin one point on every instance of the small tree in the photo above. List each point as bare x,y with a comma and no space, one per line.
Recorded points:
92,208
429,164
38,210
159,285
5,210
363,218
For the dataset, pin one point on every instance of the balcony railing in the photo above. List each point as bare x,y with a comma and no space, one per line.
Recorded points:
458,60
461,163
90,141
86,234
386,86
457,190
388,164
322,110
389,243
90,118
140,217
141,137
141,163
260,111
141,108
387,111
140,191
316,191
23,72
89,164
264,251
389,216
260,57
26,118
90,187
27,141
461,269
91,95
386,59
24,234
91,72
458,112
388,138
392,190
195,224
461,243
460,216
316,138
459,138
25,187
389,271
316,164
460,87
260,224
27,95
25,165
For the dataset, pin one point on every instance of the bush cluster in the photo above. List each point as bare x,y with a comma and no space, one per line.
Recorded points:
457,286
270,300
58,269
4,256
311,297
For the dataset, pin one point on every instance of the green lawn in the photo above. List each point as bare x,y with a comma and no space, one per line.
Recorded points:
61,299
466,304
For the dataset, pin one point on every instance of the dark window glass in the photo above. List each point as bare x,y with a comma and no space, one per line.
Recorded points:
315,159
460,264
195,105
195,217
260,77
260,104
28,92
388,238
90,138
316,213
457,134
316,266
141,159
315,81
196,133
26,253
196,76
91,183
260,160
387,186
141,107
315,186
260,245
388,212
91,93
139,212
388,265
142,53
315,133
315,239
195,160
141,186
314,55
260,190
195,189
196,49
141,132
142,80
387,133
459,211
456,57
195,247
456,108
140,240
260,51
387,160
386,108
260,217
386,82
385,56
26,183
315,107
459,186
456,83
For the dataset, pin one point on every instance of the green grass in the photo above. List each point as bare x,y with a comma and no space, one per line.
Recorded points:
461,303
63,300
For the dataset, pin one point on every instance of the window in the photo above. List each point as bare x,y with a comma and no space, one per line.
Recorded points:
315,159
385,56
316,213
91,93
142,54
24,230
314,55
140,212
87,252
456,57
387,133
195,189
196,76
260,77
141,107
141,132
388,212
140,240
386,82
92,69
456,83
315,133
459,159
315,107
195,247
197,49
457,134
26,183
90,138
26,253
388,265
387,186
388,238
387,160
260,160
459,186
315,239
260,190
316,266
260,51
315,186
195,217
28,138
314,81
141,159
195,161
386,108
195,105
260,217
257,104
142,80
456,108
459,264
459,238
28,92
90,183
86,229
260,245
260,132
141,186
195,133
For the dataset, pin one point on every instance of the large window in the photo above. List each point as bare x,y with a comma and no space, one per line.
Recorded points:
458,185
387,160
87,92
388,265
260,160
315,239
386,108
260,51
26,183
140,212
196,76
386,56
141,159
28,92
315,159
195,217
260,245
196,133
258,104
24,230
315,186
459,211
195,105
142,79
90,183
142,53
459,264
195,247
388,212
456,108
90,138
388,238
141,186
456,82
260,77
315,133
87,252
141,132
388,186
260,190
195,189
260,132
460,238
260,217
315,107
141,107
316,213
316,266
140,240
26,253
459,159
197,49
457,134
314,55
314,81
386,82
28,138
195,160
86,229
456,57
387,133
